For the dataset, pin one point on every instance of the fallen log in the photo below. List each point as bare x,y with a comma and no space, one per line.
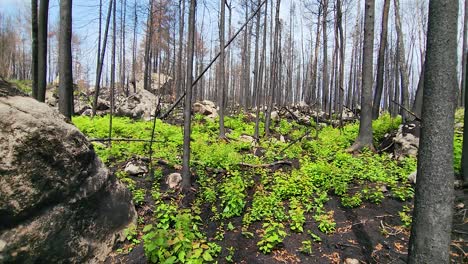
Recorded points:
269,165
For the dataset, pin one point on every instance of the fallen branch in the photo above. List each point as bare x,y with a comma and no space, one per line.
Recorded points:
408,111
280,162
295,141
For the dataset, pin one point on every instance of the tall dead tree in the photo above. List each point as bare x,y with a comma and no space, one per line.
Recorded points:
222,74
148,55
314,86
273,69
112,73
42,50
100,62
325,84
364,138
186,175
464,58
261,70
433,206
65,60
381,61
404,78
179,82
34,36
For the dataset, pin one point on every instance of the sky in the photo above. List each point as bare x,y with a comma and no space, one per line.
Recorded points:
86,13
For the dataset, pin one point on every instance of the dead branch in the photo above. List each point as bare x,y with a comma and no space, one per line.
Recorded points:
122,140
408,111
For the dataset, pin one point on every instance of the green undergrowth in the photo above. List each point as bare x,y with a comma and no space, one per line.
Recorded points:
279,200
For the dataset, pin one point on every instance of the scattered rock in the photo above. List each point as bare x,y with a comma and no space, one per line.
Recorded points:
87,112
102,105
174,180
59,202
459,206
407,141
412,177
383,189
135,169
458,184
351,261
274,116
139,105
206,108
246,138
282,140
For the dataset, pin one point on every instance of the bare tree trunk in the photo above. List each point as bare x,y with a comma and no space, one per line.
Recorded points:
222,75
325,57
65,60
112,88
434,196
381,61
101,59
34,50
260,74
464,58
134,48
273,69
342,60
402,62
364,138
186,175
179,80
42,50
149,36
314,86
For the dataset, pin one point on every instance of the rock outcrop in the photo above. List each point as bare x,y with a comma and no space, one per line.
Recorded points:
206,108
407,140
58,202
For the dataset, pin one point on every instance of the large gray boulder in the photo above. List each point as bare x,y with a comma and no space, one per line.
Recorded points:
139,105
58,202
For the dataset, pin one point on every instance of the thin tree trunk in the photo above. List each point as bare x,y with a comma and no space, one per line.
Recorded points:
364,138
381,61
34,50
325,58
222,75
262,67
186,175
433,206
402,62
65,60
42,50
112,88
101,59
464,58
273,69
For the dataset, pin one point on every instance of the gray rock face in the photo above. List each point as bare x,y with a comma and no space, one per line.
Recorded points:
58,202
173,180
206,108
139,105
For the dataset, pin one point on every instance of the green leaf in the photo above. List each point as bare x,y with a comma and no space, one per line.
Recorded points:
207,256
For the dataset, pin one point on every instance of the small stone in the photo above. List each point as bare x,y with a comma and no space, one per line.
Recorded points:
383,189
274,116
460,206
2,245
351,261
458,184
173,180
133,169
282,139
246,138
412,177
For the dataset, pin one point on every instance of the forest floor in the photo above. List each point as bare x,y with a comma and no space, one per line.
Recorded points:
319,204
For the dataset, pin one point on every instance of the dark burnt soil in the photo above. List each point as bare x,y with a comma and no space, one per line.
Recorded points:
359,233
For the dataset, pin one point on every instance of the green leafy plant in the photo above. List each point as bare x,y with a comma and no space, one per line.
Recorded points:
139,196
296,213
405,216
273,235
230,257
325,222
315,237
306,247
233,195
351,201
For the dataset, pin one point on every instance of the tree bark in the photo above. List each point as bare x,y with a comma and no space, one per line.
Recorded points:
402,61
186,175
222,75
65,60
364,138
112,77
433,207
273,70
381,61
34,50
261,70
42,50
464,58
325,58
